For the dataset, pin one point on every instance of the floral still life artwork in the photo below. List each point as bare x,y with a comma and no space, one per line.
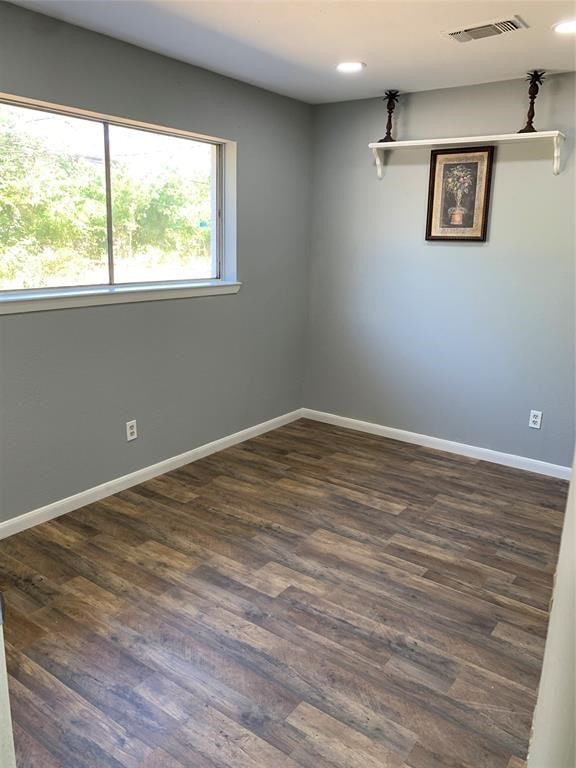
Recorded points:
459,193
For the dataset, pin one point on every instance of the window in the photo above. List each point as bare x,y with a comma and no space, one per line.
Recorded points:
91,204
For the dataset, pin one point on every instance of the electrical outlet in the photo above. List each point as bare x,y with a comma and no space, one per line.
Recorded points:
131,430
535,420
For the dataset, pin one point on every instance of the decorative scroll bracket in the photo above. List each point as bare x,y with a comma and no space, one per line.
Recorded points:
558,139
379,163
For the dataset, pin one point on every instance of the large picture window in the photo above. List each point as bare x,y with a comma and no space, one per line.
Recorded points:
85,202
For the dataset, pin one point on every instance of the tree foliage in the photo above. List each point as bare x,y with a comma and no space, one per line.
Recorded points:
53,215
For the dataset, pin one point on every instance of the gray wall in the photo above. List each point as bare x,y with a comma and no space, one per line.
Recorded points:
191,370
454,340
457,341
553,742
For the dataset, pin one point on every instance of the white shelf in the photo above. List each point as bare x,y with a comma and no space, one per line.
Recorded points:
379,148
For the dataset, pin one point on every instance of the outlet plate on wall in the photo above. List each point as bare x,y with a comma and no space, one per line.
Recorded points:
535,420
131,430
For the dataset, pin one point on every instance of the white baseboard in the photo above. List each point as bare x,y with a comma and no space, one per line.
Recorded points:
70,503
485,454
61,507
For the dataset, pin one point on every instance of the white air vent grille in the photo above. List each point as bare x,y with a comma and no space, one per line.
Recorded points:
487,30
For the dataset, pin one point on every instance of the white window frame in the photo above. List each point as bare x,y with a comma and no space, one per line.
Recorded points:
223,252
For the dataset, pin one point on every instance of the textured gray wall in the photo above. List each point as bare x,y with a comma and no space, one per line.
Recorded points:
191,370
454,340
457,341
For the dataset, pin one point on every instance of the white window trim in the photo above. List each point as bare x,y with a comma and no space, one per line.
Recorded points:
44,299
15,302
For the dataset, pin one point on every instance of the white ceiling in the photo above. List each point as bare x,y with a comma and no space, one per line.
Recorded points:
293,47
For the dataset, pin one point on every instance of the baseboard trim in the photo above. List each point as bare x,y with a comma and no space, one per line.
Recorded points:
472,451
78,500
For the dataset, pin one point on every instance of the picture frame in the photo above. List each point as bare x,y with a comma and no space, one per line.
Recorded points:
459,193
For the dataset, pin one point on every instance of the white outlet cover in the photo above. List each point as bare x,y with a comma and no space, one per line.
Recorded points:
131,430
535,420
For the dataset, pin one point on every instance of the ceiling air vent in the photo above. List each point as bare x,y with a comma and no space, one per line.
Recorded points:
487,30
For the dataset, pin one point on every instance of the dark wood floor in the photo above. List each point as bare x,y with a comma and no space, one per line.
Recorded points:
314,597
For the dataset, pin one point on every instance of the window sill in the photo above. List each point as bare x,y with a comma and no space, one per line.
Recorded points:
14,302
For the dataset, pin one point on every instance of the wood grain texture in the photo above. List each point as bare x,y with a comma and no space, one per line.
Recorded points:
313,598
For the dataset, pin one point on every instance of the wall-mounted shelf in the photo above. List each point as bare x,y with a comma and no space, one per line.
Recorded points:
379,148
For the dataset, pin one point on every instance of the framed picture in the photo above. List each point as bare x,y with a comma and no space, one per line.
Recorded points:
459,193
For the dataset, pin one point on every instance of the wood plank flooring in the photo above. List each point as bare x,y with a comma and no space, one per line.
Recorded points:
314,597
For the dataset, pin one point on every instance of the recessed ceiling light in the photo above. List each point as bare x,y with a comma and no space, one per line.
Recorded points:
351,66
565,27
